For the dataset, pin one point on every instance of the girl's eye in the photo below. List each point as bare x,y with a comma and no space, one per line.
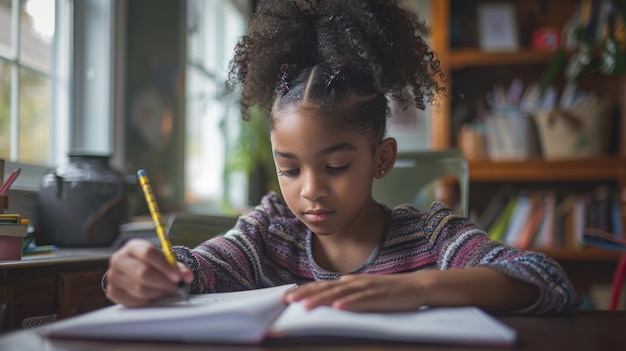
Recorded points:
339,169
290,173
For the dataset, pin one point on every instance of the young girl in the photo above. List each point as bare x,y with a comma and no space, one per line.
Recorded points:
325,71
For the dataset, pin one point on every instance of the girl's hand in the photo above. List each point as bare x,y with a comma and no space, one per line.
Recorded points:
478,286
139,273
363,293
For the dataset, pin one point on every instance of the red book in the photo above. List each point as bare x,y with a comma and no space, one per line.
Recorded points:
533,223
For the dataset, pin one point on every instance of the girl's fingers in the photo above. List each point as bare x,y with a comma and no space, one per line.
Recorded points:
185,272
359,293
128,300
154,257
139,273
323,293
371,300
140,280
307,290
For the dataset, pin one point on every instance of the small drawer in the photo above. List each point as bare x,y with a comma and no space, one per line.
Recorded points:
31,300
80,292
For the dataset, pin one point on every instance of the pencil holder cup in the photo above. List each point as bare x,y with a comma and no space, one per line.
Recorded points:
12,240
511,135
81,204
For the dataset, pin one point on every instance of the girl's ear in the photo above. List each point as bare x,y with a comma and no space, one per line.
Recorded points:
386,154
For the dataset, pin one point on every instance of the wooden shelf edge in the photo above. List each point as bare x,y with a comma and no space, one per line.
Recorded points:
581,254
467,58
587,169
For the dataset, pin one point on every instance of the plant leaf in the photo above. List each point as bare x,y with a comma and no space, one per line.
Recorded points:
551,71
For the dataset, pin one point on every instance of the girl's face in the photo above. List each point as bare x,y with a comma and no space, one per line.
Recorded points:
325,172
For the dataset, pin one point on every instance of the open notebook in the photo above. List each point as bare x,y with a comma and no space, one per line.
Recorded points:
252,316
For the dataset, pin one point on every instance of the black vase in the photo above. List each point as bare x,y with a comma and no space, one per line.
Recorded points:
81,203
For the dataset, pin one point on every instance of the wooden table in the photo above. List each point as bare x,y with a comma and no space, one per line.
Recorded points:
46,287
587,330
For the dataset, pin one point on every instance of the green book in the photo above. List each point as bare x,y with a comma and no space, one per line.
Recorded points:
498,229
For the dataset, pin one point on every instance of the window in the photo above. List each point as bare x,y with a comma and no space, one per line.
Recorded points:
214,26
27,48
33,41
57,69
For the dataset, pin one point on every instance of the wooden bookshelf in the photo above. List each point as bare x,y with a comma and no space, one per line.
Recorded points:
472,72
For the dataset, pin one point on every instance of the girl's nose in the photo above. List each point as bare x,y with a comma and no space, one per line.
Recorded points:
313,187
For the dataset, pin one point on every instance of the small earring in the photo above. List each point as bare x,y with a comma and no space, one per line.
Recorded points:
382,172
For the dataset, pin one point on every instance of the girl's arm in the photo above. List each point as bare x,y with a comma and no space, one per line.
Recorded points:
239,260
479,286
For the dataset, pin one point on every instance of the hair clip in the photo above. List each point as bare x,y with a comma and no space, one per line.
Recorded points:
285,68
332,76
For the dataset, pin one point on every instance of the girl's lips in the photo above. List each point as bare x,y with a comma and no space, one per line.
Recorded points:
317,216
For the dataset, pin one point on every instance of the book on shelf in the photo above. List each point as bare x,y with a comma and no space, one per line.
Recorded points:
532,225
580,207
518,218
616,217
599,238
495,206
572,211
598,208
500,225
255,316
545,237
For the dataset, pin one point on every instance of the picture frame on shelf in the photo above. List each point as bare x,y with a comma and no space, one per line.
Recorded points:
497,24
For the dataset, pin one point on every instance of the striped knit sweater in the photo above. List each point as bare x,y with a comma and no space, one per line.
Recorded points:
270,246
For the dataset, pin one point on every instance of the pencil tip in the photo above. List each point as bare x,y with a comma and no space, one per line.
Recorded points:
183,290
184,294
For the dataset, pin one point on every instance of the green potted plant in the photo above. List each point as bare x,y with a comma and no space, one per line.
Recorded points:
251,154
589,55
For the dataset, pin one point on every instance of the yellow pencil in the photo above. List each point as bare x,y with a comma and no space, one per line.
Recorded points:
166,246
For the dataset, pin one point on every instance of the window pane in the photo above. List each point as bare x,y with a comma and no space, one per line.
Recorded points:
34,110
204,40
6,24
214,28
204,116
37,33
234,27
5,111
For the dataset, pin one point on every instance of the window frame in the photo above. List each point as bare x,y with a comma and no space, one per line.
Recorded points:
82,28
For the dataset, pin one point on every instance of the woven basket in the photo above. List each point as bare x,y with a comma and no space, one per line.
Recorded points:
575,133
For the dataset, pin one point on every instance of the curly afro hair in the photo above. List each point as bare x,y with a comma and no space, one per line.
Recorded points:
323,50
